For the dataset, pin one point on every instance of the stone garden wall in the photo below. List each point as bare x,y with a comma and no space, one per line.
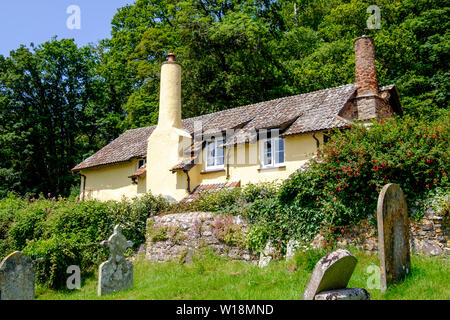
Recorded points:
430,235
177,236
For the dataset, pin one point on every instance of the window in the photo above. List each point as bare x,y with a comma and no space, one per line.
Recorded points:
140,163
272,151
214,154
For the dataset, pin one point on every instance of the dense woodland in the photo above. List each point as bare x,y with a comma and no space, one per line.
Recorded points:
59,103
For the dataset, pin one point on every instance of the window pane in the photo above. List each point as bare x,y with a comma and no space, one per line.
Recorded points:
279,155
210,154
281,145
210,161
220,151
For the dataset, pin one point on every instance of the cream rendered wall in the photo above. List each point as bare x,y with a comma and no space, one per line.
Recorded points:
246,166
166,143
112,182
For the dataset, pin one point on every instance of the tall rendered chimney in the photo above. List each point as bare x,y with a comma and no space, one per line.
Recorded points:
168,140
367,98
170,94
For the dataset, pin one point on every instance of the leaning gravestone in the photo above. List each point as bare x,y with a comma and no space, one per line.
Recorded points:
393,235
17,277
116,273
330,275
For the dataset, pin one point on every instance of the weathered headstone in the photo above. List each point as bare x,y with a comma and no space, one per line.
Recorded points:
116,273
333,271
17,277
291,247
393,235
267,255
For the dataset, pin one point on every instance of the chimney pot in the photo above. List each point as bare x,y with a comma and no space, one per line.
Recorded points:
171,56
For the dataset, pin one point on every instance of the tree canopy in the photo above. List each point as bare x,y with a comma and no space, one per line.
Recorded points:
60,103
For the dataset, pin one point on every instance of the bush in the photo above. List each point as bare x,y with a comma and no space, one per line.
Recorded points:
345,179
133,215
8,208
307,260
355,164
219,201
235,201
61,232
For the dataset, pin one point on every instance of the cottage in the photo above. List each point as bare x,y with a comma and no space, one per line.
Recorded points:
259,142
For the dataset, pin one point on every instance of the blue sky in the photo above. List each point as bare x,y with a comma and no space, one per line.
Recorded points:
26,21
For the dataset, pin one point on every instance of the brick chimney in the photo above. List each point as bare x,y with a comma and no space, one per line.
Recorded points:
367,98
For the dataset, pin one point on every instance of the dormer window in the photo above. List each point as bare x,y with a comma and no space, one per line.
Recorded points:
272,150
214,154
141,163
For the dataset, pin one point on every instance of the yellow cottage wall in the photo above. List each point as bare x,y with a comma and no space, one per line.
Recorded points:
112,182
298,150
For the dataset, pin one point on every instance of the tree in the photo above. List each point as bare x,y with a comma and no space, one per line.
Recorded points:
49,119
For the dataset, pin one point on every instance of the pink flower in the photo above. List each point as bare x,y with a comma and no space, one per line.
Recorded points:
54,199
49,194
334,199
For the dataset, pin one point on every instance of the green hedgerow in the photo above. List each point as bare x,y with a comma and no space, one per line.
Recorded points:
62,232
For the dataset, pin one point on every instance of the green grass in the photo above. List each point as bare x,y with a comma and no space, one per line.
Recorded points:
212,277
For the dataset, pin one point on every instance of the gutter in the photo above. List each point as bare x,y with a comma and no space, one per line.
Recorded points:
188,181
84,185
317,140
228,163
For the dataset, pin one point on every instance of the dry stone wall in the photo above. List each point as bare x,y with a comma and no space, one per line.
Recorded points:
430,235
177,236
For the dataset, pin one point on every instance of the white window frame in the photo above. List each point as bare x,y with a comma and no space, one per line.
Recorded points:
277,148
217,144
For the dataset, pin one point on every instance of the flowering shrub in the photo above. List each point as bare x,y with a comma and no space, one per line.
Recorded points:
350,170
345,179
229,232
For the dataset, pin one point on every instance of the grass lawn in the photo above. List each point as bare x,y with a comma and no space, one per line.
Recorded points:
211,277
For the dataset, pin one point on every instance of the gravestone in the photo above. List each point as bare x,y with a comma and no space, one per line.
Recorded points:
291,247
393,235
267,255
333,271
116,273
17,277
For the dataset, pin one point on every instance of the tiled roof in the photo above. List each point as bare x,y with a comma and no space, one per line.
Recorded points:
131,144
303,113
213,187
